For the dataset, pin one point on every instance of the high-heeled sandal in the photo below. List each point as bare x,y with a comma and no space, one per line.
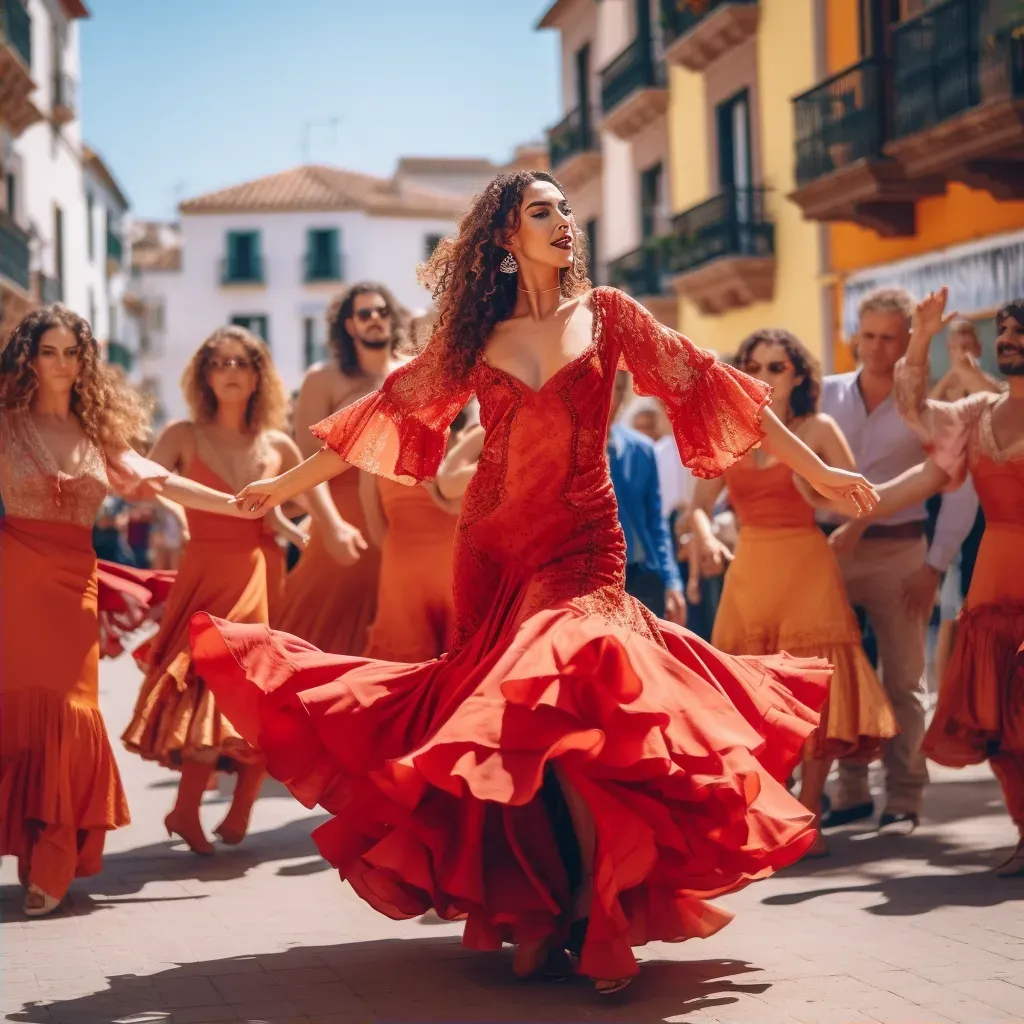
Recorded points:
231,836
198,844
610,986
38,903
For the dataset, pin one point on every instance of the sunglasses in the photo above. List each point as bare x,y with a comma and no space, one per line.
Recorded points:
230,364
367,314
773,369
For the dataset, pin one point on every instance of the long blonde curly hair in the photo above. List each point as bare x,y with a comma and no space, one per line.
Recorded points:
268,404
470,294
113,415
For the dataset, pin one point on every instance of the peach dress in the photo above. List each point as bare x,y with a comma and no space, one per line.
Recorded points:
784,592
415,607
327,604
60,791
229,564
980,712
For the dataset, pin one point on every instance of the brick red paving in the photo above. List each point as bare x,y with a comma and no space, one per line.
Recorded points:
887,930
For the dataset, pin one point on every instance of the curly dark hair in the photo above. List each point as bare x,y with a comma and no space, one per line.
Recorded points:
805,396
470,294
113,415
268,405
1014,308
340,310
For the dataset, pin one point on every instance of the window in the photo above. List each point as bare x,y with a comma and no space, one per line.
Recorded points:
58,247
323,255
583,90
430,243
243,264
735,170
90,224
155,314
257,323
12,195
651,207
593,244
313,348
92,311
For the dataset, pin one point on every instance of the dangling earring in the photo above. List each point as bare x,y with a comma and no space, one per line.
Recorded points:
508,265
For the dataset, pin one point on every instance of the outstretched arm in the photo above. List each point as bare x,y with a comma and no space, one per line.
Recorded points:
262,495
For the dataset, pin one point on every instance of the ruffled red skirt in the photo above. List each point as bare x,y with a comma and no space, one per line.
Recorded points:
128,599
433,771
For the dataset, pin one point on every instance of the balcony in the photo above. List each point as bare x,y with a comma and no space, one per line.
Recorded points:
320,267
958,83
633,90
574,148
115,253
17,110
641,273
721,254
250,271
842,173
13,254
698,32
49,289
63,110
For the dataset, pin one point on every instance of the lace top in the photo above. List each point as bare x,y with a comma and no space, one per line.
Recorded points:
33,487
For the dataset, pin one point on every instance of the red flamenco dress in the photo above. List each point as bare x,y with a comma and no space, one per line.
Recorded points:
434,770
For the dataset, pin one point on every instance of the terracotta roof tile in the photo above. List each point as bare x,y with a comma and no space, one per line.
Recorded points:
319,188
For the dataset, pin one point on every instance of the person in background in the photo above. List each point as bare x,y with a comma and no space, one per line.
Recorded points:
108,532
652,572
138,532
891,571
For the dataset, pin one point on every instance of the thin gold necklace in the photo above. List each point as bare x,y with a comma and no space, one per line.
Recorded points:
540,291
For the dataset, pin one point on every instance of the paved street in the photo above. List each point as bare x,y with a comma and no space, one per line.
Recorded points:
898,930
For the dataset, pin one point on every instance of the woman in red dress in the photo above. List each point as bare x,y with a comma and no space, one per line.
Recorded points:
670,756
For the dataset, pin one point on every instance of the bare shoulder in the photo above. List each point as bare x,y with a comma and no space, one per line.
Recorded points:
179,432
820,424
321,377
279,439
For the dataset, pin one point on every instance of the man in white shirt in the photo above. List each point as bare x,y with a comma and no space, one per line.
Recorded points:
891,573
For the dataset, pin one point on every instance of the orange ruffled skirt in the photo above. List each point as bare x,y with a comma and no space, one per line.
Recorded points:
784,592
434,771
56,764
980,711
176,717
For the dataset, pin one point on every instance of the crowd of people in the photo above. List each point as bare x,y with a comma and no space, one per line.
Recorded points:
549,654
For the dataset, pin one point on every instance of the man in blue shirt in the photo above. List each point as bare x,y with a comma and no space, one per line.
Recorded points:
652,573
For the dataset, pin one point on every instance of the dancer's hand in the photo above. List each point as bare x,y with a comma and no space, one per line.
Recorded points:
850,492
675,607
256,500
345,544
843,539
709,555
930,316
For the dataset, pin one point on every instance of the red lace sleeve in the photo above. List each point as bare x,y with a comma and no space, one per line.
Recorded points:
401,430
715,411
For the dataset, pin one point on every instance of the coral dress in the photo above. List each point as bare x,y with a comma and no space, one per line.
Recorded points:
415,607
329,605
434,770
230,568
57,771
784,592
980,711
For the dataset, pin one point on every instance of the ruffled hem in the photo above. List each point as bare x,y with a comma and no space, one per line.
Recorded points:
433,771
56,768
176,719
980,711
128,599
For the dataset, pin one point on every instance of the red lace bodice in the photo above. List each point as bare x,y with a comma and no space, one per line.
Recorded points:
539,518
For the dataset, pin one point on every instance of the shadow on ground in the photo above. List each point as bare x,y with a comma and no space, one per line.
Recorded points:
412,981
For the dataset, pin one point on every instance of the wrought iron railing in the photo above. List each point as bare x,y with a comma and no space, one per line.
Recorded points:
573,135
640,272
16,28
953,57
681,16
13,252
634,68
840,120
242,271
733,223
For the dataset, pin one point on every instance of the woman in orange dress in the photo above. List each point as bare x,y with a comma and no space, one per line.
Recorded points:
980,711
414,529
66,424
784,591
235,571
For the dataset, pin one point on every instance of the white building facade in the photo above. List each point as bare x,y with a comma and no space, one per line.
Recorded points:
272,255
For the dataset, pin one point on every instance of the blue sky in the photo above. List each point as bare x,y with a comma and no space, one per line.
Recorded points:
185,96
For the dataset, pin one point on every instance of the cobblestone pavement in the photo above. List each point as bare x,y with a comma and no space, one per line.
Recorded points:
886,930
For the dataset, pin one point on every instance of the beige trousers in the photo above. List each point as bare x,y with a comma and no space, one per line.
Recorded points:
874,573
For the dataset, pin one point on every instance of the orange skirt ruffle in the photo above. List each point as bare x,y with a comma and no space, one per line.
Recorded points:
56,765
784,592
128,599
176,717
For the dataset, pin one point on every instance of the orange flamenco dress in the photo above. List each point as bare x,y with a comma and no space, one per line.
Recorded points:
784,592
329,605
231,568
60,791
415,608
434,771
980,712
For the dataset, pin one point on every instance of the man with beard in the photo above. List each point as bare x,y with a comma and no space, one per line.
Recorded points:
326,604
980,714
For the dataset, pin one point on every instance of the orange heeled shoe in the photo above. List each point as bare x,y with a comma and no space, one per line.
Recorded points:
195,841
